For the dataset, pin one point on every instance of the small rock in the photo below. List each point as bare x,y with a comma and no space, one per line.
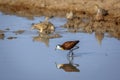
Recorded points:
7,29
10,38
2,35
19,32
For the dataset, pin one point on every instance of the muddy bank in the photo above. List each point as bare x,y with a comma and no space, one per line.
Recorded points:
83,10
58,7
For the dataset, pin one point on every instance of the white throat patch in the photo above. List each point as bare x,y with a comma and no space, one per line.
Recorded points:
58,47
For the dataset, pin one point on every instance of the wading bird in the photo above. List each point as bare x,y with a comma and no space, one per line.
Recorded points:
69,15
100,13
69,45
44,27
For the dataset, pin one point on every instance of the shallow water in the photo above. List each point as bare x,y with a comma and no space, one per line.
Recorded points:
24,58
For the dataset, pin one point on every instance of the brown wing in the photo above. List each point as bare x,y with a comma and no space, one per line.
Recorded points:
69,44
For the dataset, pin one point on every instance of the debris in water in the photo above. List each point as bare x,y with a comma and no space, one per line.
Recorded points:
19,32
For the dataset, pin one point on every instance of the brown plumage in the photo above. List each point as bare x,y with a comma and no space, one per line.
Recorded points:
69,44
44,27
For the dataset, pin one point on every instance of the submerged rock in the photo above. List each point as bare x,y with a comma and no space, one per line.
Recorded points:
19,32
2,35
7,29
10,38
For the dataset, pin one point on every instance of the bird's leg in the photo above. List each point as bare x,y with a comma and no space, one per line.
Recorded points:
70,53
76,47
70,59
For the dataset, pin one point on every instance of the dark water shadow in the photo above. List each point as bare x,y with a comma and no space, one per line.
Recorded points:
82,54
89,53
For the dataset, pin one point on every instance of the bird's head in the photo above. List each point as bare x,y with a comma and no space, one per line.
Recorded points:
59,47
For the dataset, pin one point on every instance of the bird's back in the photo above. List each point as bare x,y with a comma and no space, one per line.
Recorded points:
69,44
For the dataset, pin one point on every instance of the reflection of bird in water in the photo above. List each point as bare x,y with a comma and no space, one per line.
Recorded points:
99,36
44,27
45,38
69,45
68,67
42,38
100,13
69,15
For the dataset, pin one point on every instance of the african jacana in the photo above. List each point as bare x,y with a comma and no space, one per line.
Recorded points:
69,45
